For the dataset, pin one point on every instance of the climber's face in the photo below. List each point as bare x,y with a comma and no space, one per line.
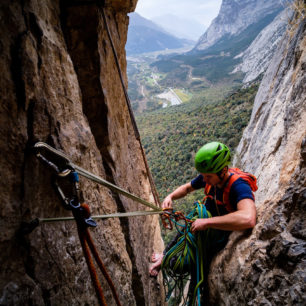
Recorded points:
211,178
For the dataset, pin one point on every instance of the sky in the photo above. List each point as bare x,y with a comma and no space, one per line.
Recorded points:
202,11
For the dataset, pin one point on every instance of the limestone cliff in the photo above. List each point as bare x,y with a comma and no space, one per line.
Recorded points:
256,58
234,17
267,266
59,84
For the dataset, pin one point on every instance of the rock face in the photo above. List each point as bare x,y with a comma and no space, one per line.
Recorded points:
267,266
60,85
234,17
256,58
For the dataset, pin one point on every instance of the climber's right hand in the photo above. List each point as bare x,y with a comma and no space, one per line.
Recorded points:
167,203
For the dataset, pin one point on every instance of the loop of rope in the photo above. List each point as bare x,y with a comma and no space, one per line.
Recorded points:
189,249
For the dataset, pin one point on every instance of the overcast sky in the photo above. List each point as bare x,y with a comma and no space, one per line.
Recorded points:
203,11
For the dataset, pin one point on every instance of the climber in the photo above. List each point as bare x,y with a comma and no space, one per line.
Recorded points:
229,198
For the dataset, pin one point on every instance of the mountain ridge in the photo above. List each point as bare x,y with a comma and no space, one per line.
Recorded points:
145,36
256,58
234,17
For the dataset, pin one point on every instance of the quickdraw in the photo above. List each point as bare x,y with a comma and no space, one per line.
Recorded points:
66,171
81,214
68,165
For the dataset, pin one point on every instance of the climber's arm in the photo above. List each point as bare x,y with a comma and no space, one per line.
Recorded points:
243,218
178,193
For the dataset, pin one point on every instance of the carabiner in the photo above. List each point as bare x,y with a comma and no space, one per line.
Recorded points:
62,168
166,219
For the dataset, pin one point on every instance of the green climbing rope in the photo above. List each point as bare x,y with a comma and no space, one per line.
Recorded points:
187,258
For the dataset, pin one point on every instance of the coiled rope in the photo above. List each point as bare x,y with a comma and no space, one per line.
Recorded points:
188,252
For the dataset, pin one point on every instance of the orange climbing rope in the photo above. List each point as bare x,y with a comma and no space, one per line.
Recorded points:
87,246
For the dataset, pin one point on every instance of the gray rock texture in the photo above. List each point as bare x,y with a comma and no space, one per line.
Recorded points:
234,17
59,84
266,266
256,58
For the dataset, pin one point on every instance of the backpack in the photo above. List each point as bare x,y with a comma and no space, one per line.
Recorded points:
235,174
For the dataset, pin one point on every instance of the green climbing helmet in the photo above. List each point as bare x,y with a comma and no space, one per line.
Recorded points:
212,157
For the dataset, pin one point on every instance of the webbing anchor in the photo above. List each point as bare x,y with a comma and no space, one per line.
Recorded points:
64,173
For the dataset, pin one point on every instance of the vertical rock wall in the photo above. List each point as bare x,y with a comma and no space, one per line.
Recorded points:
267,266
60,85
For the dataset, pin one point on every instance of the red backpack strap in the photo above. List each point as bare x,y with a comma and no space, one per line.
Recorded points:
234,177
248,177
207,189
236,173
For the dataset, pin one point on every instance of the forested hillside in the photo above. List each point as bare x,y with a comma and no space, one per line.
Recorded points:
213,103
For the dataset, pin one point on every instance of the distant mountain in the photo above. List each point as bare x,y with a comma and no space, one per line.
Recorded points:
180,27
222,48
146,36
137,20
235,17
256,58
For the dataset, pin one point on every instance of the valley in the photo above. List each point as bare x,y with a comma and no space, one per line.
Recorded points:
184,98
153,86
177,113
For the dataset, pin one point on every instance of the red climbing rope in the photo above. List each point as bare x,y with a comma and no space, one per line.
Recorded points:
91,267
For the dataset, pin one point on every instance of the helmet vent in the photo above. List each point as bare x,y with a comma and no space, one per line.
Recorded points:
215,157
219,147
226,157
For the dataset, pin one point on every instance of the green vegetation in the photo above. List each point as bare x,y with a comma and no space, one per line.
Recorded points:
145,83
179,131
214,107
